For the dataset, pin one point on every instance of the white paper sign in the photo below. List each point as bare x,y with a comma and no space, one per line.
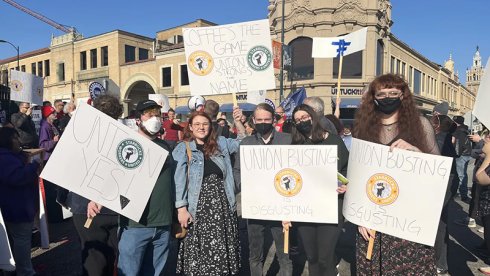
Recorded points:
6,259
292,183
328,47
229,58
161,100
105,161
399,193
131,123
480,109
36,118
25,87
256,97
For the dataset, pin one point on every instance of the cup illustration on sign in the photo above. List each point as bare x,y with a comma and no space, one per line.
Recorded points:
288,182
382,189
130,154
201,63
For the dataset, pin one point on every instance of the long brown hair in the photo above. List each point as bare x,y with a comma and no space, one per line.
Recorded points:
367,124
210,142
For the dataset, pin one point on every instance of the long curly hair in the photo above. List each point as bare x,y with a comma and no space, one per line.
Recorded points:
317,132
210,142
368,126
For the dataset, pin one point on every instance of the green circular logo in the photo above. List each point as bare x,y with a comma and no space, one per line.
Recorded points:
259,58
130,153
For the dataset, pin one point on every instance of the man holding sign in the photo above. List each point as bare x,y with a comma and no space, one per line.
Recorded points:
388,116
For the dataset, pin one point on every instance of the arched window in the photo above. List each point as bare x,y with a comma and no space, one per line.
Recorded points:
303,67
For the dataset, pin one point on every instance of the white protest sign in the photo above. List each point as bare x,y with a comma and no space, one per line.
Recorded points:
105,161
36,116
256,97
399,193
161,100
6,258
292,183
131,123
329,47
25,87
229,58
480,109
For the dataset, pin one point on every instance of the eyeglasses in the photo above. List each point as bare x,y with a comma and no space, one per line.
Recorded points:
302,119
389,94
198,125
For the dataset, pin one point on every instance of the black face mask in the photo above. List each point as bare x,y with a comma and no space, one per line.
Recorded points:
263,128
305,127
388,105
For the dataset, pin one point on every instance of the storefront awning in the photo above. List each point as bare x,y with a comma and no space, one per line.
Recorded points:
348,103
228,107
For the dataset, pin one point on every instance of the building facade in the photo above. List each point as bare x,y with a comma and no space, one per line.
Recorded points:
475,73
132,66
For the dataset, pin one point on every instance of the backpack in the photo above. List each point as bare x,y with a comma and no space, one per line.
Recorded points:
463,143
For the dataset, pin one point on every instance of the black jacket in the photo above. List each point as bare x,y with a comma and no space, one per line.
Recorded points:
27,130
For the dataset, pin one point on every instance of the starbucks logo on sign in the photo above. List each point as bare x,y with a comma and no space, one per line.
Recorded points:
130,154
259,58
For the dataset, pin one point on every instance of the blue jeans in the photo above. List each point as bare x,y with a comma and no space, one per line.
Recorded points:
143,251
21,235
461,169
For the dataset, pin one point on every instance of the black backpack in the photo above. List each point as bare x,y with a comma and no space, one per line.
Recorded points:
463,143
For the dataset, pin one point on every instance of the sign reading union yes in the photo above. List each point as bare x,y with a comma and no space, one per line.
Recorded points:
399,193
106,161
293,183
229,58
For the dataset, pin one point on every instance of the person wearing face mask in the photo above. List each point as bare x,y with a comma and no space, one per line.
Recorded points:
389,116
265,134
19,197
347,136
144,244
319,239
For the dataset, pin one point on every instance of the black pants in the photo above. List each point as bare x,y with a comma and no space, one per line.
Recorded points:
99,243
442,236
486,232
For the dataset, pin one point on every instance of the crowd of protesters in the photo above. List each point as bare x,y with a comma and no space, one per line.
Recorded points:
200,179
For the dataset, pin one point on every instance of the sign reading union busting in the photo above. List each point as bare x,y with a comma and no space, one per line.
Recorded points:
106,161
292,183
399,193
229,58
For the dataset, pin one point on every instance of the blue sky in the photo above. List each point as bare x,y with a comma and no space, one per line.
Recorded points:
434,28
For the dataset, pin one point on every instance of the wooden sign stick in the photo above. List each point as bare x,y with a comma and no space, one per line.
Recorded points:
235,102
339,77
286,240
369,252
88,222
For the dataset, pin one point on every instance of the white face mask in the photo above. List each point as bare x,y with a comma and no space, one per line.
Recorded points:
152,125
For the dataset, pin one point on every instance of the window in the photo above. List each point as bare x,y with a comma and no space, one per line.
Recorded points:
184,77
61,72
379,57
93,58
398,71
5,77
129,53
40,68
166,77
410,72
83,60
392,65
303,66
416,81
104,53
23,68
46,68
33,68
403,69
351,68
143,53
423,83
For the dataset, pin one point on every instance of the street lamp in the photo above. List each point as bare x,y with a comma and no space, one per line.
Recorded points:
16,48
281,81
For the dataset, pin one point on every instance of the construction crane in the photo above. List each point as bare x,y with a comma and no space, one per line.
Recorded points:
63,28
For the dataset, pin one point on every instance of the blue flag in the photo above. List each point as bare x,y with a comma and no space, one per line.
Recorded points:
294,99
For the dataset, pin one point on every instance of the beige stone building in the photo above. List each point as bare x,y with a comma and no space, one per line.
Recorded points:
133,66
475,73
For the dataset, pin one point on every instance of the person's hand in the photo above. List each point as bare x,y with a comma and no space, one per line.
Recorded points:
402,144
176,122
29,111
184,217
237,114
56,138
474,138
366,233
93,209
342,189
286,225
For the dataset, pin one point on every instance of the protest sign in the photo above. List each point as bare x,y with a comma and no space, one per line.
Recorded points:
131,123
25,87
256,97
289,183
105,161
399,193
6,258
229,58
161,100
480,109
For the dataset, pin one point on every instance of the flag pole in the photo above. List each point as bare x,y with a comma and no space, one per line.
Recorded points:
337,107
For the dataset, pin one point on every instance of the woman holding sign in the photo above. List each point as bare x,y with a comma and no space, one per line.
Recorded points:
388,115
319,239
205,199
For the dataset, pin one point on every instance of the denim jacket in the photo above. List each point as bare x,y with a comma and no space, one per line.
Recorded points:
189,196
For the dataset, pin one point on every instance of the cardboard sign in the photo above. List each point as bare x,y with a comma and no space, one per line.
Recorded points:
256,97
399,193
25,87
291,183
229,58
6,258
105,161
480,109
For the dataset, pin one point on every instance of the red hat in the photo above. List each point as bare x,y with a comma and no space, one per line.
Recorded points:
47,110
